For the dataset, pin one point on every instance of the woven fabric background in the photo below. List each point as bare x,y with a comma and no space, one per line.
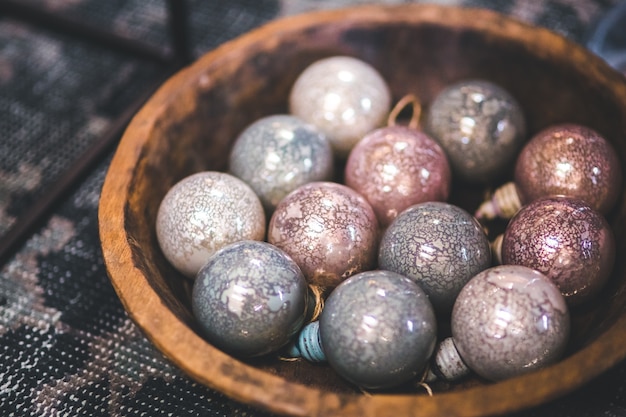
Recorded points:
67,347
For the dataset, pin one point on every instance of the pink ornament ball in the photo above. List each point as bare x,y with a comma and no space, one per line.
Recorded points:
572,161
396,167
329,230
566,240
509,320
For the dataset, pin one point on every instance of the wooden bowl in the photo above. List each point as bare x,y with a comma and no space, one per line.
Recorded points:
190,123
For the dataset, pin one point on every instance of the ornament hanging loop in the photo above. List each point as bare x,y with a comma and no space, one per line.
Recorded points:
316,303
406,101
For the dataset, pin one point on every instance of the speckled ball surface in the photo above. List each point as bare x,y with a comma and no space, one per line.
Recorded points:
395,167
438,245
329,229
509,320
565,239
569,160
204,212
378,329
480,126
250,299
342,96
277,154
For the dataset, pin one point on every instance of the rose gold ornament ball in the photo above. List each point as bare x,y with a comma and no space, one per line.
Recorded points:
572,161
395,167
566,240
329,230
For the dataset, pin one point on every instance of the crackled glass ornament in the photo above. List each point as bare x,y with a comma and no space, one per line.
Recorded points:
508,320
203,213
568,160
481,127
565,239
396,167
438,245
329,229
250,299
277,154
378,329
342,96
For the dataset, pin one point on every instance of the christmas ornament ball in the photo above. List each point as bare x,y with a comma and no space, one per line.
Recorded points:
249,299
378,329
344,97
481,127
566,240
509,320
438,245
276,154
329,229
204,212
569,160
396,167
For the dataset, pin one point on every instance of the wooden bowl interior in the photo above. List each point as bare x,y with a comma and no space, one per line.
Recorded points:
190,125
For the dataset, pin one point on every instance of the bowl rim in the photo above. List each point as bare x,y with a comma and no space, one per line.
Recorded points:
245,383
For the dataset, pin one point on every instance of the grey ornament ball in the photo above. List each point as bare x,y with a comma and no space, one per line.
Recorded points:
277,154
204,212
509,320
438,245
481,127
378,329
250,299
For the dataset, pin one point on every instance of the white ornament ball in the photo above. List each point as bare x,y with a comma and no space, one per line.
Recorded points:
203,213
342,96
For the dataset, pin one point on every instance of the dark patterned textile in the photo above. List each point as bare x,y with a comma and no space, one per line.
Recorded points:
67,347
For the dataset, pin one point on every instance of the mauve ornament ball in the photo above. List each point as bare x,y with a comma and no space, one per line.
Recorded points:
395,167
509,320
250,299
569,160
342,96
480,126
277,154
378,329
438,245
329,229
565,239
204,212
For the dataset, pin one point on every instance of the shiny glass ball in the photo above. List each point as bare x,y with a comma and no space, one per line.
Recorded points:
565,239
395,167
342,96
378,329
329,229
438,245
277,154
481,127
204,212
250,299
569,160
509,320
